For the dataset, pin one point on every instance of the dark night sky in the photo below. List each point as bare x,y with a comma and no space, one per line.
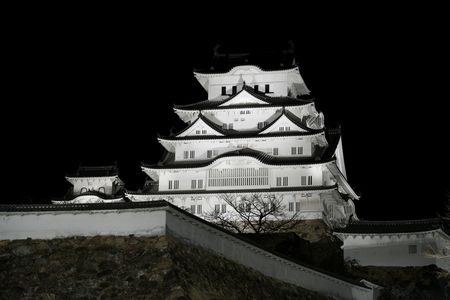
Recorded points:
98,93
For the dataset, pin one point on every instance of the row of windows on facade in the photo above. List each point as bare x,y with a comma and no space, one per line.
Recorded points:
260,125
85,190
284,181
195,184
255,88
197,209
246,207
212,153
240,181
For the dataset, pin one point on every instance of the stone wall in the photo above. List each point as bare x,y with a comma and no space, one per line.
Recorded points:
129,267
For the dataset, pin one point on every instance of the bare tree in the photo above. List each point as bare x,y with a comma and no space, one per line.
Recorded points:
258,213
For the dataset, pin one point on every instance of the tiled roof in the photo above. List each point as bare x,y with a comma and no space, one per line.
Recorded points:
400,226
271,101
271,190
95,171
90,193
238,135
261,156
228,68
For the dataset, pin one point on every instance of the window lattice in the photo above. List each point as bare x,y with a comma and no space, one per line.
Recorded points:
238,177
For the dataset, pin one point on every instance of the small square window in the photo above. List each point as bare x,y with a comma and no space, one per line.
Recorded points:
291,206
412,249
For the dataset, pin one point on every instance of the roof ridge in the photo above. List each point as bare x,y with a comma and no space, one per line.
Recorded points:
258,155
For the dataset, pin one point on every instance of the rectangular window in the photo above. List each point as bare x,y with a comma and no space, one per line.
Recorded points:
176,184
209,153
192,154
412,249
278,181
247,112
230,126
217,208
197,132
267,88
193,184
200,183
300,150
248,207
224,90
215,152
186,154
281,128
170,184
234,90
224,208
291,206
275,151
255,88
203,131
297,206
260,125
224,126
303,182
192,209
285,181
309,180
287,128
242,112
199,209
293,150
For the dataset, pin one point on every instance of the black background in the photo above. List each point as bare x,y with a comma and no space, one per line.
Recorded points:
98,89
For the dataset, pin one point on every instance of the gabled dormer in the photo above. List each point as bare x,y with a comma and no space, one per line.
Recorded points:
201,127
244,97
285,122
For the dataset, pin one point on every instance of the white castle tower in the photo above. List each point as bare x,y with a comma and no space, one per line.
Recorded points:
258,132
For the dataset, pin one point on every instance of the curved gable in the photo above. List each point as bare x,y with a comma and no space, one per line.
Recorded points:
243,97
199,128
285,123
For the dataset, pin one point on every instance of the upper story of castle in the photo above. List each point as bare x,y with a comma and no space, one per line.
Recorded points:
275,83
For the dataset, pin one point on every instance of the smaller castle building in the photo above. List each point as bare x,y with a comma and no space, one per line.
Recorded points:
93,184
